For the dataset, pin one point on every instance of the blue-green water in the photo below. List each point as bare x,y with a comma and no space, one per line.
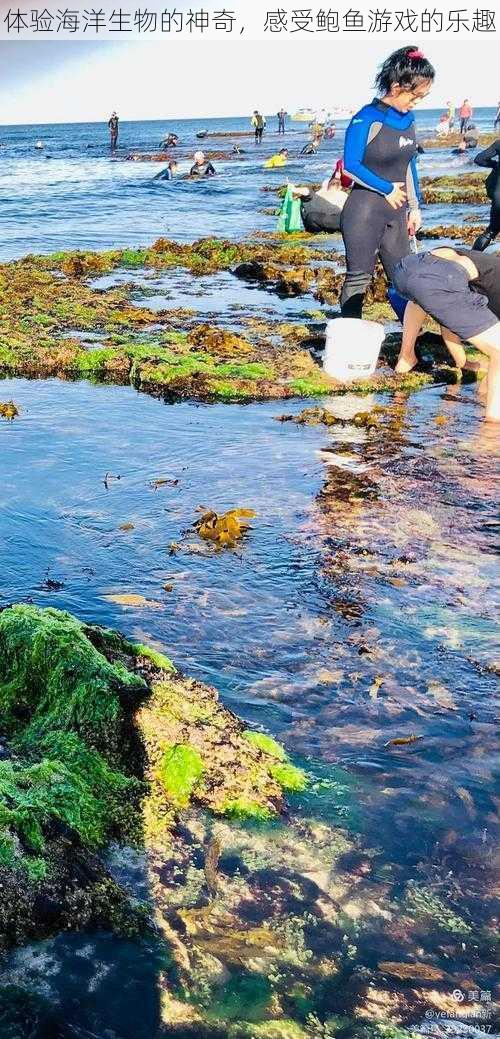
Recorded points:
358,610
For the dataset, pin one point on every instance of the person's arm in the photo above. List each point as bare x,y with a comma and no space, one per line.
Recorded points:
413,193
413,197
210,169
354,149
488,156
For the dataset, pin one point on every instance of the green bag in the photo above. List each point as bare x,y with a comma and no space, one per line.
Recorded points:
290,218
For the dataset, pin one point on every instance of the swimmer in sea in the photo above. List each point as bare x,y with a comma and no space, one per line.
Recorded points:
202,167
168,173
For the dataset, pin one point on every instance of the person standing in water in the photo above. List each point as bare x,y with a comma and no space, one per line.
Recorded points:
380,152
490,158
258,123
113,130
281,120
466,112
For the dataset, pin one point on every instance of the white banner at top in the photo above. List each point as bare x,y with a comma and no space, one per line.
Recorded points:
259,20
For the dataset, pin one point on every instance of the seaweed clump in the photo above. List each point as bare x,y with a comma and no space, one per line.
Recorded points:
104,741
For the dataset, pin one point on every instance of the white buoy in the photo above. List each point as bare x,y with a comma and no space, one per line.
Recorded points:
352,348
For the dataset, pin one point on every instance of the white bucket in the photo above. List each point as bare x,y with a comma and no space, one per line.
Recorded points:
352,348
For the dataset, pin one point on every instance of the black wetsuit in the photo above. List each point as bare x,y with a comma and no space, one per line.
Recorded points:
380,150
490,157
206,170
471,136
488,281
309,149
113,130
319,215
281,122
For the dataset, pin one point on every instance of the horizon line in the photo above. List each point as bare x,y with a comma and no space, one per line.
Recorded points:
197,119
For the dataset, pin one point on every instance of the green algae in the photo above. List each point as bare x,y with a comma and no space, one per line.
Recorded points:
180,770
423,902
289,777
48,304
266,743
245,809
107,742
51,674
159,660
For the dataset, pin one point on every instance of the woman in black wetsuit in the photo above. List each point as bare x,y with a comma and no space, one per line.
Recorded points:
380,155
490,157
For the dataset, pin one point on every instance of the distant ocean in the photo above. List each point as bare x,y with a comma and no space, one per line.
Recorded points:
74,194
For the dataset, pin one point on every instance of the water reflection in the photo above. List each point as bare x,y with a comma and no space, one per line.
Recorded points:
357,612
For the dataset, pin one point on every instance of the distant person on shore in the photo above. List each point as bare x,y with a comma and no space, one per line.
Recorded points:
258,123
202,166
113,130
466,112
450,114
281,120
380,153
497,117
443,126
280,159
460,289
490,158
168,173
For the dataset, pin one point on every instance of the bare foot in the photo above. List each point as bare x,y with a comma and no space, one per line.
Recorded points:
406,364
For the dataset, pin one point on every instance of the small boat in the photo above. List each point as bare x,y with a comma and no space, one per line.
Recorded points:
304,115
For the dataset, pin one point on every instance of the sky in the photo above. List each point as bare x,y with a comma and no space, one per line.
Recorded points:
142,79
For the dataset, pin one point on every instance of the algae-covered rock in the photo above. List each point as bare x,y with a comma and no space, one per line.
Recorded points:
106,741
179,771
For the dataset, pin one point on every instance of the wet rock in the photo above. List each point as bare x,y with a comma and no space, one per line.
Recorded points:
114,748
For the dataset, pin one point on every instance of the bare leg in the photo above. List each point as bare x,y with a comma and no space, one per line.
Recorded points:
489,343
412,323
454,345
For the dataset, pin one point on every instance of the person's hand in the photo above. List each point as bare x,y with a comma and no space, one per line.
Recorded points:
397,197
414,222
